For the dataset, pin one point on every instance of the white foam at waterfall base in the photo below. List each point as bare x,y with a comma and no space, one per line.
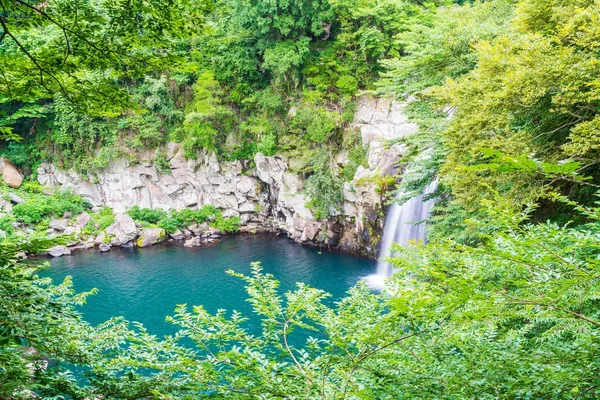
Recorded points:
401,227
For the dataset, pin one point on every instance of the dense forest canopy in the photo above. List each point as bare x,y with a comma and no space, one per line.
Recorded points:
502,303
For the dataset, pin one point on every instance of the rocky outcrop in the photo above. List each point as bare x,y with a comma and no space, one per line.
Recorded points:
83,219
10,175
58,251
268,196
58,224
151,236
123,230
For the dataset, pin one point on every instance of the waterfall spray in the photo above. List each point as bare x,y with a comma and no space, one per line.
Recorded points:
400,228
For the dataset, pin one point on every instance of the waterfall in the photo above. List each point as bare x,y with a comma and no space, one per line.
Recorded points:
400,228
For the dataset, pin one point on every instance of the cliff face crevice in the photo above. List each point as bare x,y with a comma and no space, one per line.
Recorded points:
267,196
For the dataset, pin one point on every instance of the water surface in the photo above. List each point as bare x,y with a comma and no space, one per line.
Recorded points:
145,285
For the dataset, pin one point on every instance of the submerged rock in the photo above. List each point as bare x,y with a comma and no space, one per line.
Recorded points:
58,251
151,236
193,242
177,235
198,229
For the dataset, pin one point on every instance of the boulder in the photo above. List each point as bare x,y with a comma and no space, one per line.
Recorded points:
349,209
310,232
58,251
230,213
332,237
247,207
104,247
177,235
151,236
15,198
123,229
198,229
245,185
10,175
270,169
73,231
83,219
6,207
349,194
59,224
193,242
100,239
348,242
214,231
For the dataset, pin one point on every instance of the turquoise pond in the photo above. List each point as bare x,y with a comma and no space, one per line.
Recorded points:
145,285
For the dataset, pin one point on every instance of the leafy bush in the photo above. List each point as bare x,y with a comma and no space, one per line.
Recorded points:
317,124
161,163
106,218
39,206
357,154
169,224
227,225
22,155
347,85
178,219
146,215
187,216
326,196
6,222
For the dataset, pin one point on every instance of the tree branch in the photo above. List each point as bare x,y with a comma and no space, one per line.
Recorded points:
64,28
33,59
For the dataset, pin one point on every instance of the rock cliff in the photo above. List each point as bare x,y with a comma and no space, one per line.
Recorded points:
267,196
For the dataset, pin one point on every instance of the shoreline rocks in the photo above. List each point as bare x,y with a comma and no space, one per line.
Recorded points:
267,196
123,230
151,236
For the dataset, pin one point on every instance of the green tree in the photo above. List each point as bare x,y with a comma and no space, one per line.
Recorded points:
79,49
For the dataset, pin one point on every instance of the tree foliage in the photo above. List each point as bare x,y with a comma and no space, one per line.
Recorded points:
497,305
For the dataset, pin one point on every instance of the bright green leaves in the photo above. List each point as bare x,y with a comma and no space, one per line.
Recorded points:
503,163
206,118
38,206
284,18
38,323
442,47
584,140
519,78
285,57
317,124
80,49
179,219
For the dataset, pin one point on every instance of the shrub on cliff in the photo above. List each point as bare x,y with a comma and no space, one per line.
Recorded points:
39,206
146,215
